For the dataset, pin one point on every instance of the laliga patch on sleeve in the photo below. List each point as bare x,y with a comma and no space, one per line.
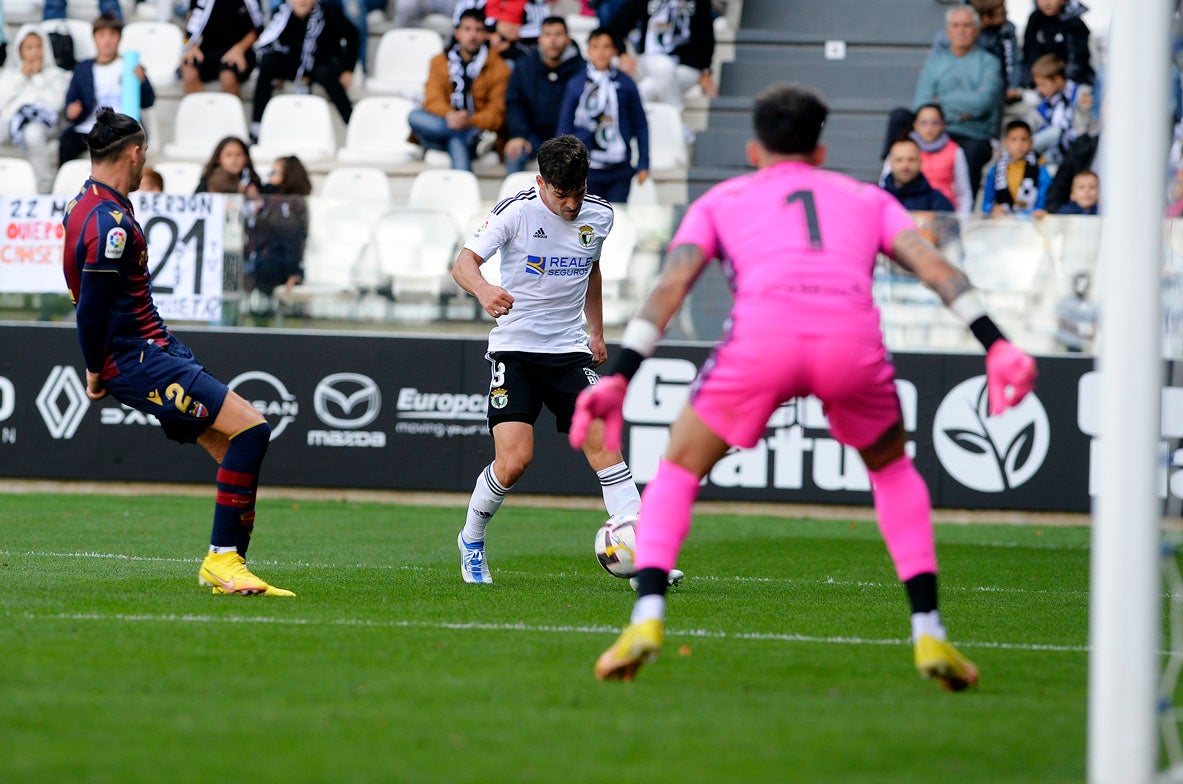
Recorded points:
116,240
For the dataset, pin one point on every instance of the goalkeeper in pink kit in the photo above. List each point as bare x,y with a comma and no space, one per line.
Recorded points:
799,245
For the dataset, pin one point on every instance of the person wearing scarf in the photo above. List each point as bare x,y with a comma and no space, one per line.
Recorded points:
943,162
220,35
464,96
603,109
1065,113
306,41
32,91
1016,184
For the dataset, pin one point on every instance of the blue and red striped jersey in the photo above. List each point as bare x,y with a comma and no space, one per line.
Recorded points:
105,260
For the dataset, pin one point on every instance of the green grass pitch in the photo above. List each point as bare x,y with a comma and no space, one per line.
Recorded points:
785,657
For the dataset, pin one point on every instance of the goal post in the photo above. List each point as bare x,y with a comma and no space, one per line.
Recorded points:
1125,596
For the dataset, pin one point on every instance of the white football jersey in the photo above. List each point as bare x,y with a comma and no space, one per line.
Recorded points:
545,263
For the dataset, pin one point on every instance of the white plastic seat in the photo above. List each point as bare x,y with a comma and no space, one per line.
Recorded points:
616,258
1007,260
179,176
357,183
159,45
299,125
17,10
667,145
81,30
17,177
70,177
402,62
454,191
329,266
201,121
515,183
416,247
378,133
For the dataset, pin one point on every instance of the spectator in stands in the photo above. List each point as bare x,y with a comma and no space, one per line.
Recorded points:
1065,113
279,227
535,93
56,9
231,155
151,181
1016,184
1076,317
999,38
32,91
676,48
517,25
95,83
602,107
907,182
306,41
942,160
1056,27
966,82
465,95
1086,189
222,181
220,47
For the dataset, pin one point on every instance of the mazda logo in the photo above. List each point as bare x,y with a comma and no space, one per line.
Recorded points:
347,400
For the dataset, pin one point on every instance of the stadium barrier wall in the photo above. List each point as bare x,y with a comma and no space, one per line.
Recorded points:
379,411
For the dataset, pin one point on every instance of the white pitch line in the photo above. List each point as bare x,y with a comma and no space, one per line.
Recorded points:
526,627
712,578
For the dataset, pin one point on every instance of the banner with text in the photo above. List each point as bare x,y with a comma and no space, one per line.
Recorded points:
185,249
409,413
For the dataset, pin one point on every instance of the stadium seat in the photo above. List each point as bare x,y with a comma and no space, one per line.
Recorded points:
454,191
1007,260
416,248
332,259
81,30
201,121
179,176
159,45
515,183
17,177
667,144
615,260
17,10
356,183
299,125
402,62
378,133
70,177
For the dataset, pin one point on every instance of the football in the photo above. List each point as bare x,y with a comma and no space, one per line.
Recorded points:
615,543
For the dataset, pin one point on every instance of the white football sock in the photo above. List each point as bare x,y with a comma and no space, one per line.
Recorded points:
620,491
927,623
649,607
218,550
486,500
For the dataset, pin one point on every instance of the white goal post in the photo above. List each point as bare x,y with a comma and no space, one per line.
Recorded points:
1125,617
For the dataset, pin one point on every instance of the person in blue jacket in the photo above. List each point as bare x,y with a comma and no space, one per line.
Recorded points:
95,83
603,109
535,93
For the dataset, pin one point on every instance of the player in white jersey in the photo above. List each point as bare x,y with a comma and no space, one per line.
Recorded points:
549,237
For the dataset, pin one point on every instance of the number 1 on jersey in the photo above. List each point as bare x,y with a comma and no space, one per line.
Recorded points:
810,209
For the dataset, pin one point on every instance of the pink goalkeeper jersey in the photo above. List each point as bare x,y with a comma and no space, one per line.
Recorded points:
799,245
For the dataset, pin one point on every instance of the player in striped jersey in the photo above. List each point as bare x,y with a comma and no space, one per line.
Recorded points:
131,354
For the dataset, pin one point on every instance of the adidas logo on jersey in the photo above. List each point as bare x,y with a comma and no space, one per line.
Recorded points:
540,234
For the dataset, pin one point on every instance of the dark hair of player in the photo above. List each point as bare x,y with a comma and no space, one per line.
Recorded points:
788,118
563,164
112,134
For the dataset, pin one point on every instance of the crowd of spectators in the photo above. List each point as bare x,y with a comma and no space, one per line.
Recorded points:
1026,116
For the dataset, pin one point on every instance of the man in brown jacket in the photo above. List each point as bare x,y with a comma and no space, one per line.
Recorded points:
465,94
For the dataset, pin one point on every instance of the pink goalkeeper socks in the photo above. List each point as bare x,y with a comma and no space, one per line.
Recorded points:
665,516
904,510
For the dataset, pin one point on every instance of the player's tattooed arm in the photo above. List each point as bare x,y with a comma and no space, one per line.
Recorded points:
920,257
682,267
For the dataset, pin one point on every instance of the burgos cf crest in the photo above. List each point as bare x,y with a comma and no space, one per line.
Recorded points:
587,235
498,398
536,265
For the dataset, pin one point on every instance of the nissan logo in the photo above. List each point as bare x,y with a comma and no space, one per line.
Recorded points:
347,400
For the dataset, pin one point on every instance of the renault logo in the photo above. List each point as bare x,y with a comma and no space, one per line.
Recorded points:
62,421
